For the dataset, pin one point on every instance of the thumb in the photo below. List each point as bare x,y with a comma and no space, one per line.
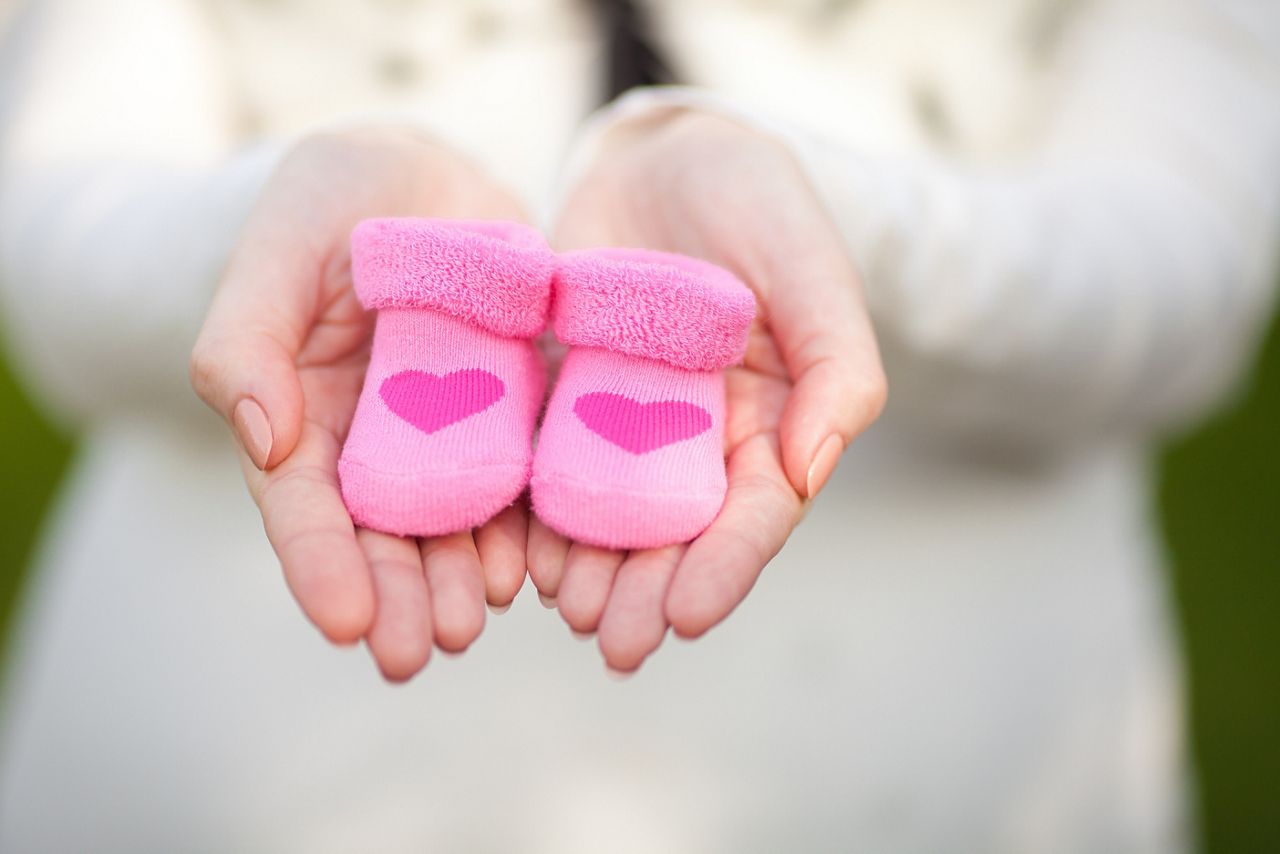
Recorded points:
243,364
250,380
816,313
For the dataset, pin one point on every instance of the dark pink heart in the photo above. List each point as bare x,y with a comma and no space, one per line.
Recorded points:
640,427
431,402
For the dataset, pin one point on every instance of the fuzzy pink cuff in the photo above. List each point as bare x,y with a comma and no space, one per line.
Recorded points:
496,275
656,305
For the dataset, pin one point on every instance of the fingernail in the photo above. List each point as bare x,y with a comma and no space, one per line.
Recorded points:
498,609
582,636
824,463
547,601
254,430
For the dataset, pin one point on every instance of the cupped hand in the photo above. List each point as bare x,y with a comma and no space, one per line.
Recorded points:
282,357
702,185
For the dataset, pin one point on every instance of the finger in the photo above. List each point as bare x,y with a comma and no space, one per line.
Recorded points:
831,404
456,582
314,538
501,544
634,623
588,576
400,638
546,555
818,317
720,567
250,379
244,361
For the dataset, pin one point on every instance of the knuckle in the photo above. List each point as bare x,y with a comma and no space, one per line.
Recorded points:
864,394
875,393
203,369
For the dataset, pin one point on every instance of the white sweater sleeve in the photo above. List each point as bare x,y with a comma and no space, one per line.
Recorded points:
120,197
1114,281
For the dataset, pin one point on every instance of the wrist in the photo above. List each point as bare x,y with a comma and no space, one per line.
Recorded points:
392,169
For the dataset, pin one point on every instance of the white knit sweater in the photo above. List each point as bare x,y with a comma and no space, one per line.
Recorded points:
1065,213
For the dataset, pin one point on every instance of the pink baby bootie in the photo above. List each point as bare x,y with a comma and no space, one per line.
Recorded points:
631,452
442,434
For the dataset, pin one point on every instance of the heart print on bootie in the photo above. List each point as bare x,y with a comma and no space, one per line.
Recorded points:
441,440
631,451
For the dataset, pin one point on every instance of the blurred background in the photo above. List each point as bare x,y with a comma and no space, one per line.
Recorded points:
1219,491
1220,503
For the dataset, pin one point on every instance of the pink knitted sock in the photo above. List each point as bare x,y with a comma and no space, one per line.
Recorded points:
631,453
441,437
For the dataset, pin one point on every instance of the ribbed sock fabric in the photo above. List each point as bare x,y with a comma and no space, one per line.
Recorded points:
631,451
441,436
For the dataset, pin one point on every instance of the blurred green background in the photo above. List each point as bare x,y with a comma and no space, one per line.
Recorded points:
1219,500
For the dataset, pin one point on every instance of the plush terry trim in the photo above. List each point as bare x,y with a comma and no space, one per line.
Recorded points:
671,308
494,274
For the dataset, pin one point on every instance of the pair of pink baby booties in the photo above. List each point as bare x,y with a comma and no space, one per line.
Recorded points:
630,452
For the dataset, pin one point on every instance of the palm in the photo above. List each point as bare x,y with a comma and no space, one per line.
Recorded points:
756,394
710,189
332,361
632,598
287,318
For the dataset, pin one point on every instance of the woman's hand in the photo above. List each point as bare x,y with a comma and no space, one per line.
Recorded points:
282,356
812,380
